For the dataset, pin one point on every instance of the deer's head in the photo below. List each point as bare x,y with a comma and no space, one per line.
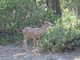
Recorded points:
48,23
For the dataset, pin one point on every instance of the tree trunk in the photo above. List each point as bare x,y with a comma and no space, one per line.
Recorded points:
47,3
56,7
53,6
78,12
34,1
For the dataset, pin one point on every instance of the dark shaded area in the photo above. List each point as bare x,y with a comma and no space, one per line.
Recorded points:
56,7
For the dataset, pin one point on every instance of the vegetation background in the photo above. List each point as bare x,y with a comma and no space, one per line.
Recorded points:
64,14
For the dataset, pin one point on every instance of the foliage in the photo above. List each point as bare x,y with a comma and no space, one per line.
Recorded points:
62,36
17,14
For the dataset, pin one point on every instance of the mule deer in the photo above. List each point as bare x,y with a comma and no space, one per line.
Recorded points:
34,33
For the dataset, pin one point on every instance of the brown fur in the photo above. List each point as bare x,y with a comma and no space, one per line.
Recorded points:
34,33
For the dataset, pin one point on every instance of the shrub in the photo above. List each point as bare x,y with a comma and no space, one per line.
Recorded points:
59,38
15,15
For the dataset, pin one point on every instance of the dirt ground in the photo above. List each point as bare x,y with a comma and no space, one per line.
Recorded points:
11,52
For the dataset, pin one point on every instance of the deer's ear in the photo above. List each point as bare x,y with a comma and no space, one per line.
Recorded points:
45,22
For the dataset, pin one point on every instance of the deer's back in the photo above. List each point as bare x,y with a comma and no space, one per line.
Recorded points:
30,32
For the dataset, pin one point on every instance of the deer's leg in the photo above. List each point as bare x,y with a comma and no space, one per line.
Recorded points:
25,44
37,44
37,47
35,51
34,43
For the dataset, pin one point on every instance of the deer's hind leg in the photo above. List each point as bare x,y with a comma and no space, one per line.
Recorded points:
25,44
34,42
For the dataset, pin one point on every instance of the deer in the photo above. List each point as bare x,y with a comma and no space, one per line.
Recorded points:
35,34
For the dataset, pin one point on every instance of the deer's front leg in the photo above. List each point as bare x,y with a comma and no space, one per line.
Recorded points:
38,46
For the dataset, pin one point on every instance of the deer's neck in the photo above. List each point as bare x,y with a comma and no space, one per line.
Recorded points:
44,27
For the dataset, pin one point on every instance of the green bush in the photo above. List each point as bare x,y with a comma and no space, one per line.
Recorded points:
57,38
17,14
62,36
